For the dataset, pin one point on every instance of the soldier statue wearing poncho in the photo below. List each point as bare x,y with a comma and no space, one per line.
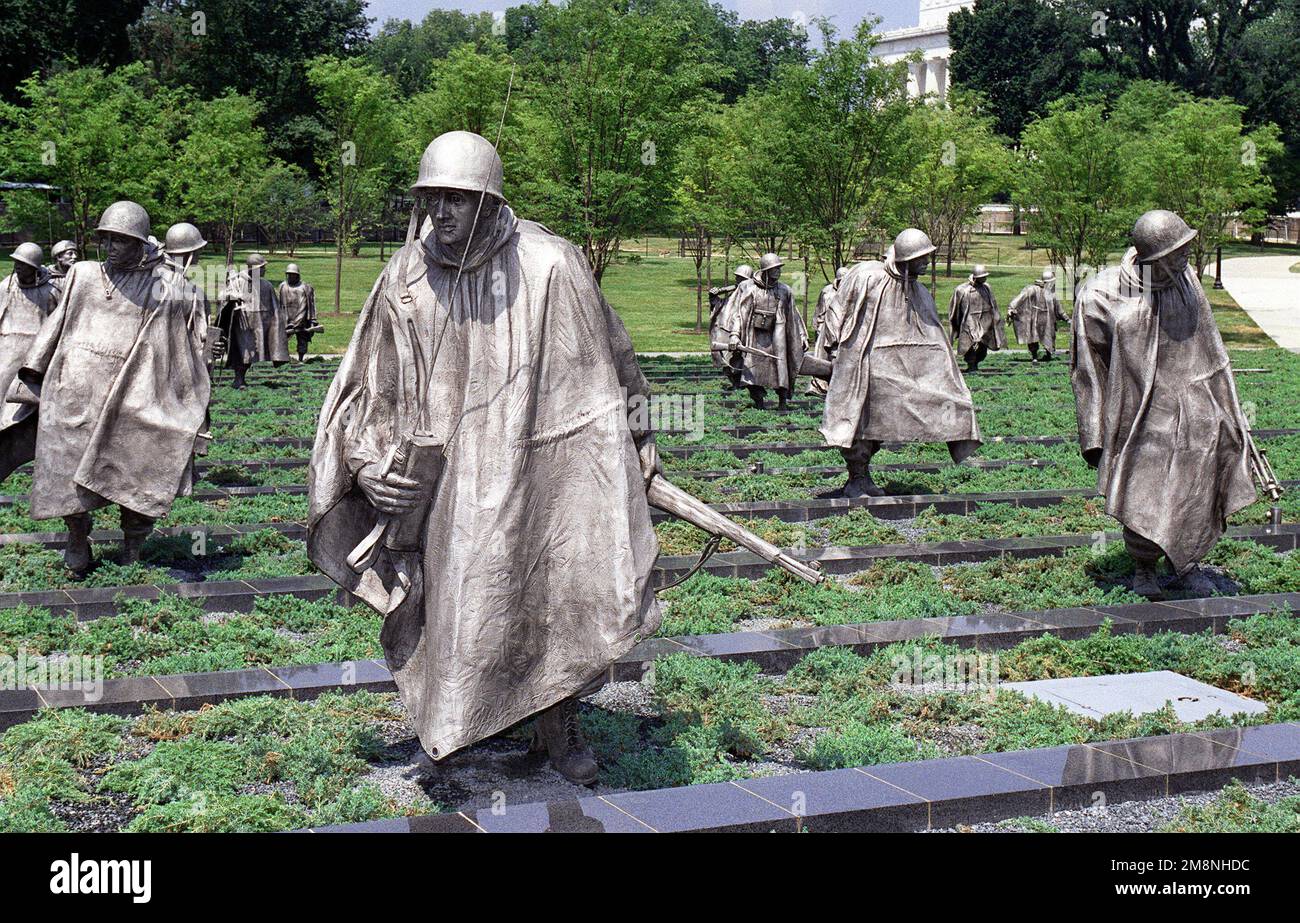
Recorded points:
718,298
974,318
895,377
1034,313
765,333
827,312
253,319
1157,406
118,379
509,541
299,300
27,296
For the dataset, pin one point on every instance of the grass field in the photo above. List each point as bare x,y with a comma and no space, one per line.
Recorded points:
655,293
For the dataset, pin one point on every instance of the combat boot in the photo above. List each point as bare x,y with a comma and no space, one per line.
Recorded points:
1145,581
560,735
1197,582
862,486
135,529
76,555
758,397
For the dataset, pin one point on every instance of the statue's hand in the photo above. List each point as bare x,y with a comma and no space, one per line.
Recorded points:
648,453
392,494
733,343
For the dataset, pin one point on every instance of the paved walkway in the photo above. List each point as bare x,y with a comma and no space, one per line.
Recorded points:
1269,292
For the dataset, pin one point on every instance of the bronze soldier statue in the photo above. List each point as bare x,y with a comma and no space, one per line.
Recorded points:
182,244
299,301
718,297
975,320
117,372
1034,313
895,377
482,474
764,328
253,320
27,296
1157,405
63,254
827,309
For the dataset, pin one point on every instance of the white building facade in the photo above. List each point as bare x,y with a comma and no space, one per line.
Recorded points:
930,37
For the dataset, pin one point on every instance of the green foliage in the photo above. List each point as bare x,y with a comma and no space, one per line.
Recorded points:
1236,810
857,744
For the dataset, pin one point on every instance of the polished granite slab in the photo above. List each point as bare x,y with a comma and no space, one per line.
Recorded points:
1139,693
919,795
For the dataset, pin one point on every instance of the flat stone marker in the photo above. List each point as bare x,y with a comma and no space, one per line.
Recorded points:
1097,696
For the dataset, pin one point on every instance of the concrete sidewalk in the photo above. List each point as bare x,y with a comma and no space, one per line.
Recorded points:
1269,292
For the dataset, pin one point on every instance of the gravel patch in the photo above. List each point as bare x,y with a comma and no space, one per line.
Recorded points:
1129,816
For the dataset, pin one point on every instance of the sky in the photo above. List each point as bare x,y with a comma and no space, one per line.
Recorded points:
845,14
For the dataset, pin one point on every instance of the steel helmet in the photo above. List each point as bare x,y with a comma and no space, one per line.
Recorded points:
979,272
255,259
911,244
1049,274
183,238
28,253
291,270
769,261
460,160
125,218
744,271
61,248
1158,233
841,273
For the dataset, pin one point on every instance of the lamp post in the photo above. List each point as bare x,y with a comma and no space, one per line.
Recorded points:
1218,266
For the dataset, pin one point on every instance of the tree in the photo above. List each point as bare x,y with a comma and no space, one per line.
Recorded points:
699,197
99,136
357,107
409,52
614,82
952,163
255,49
288,204
1196,159
36,35
840,121
1020,55
221,166
1071,179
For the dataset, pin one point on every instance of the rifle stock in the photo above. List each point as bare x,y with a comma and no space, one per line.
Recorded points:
670,498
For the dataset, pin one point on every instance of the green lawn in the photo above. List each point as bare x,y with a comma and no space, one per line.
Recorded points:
653,289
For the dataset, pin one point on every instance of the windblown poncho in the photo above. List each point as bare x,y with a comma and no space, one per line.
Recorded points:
1155,396
826,316
765,319
895,377
974,317
255,322
23,308
299,305
1034,313
535,572
119,373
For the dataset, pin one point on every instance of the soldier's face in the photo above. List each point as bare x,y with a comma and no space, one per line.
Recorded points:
452,213
772,276
291,278
1170,267
123,250
913,268
26,274
66,259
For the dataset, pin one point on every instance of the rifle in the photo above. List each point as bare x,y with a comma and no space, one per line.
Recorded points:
1263,473
670,498
810,365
